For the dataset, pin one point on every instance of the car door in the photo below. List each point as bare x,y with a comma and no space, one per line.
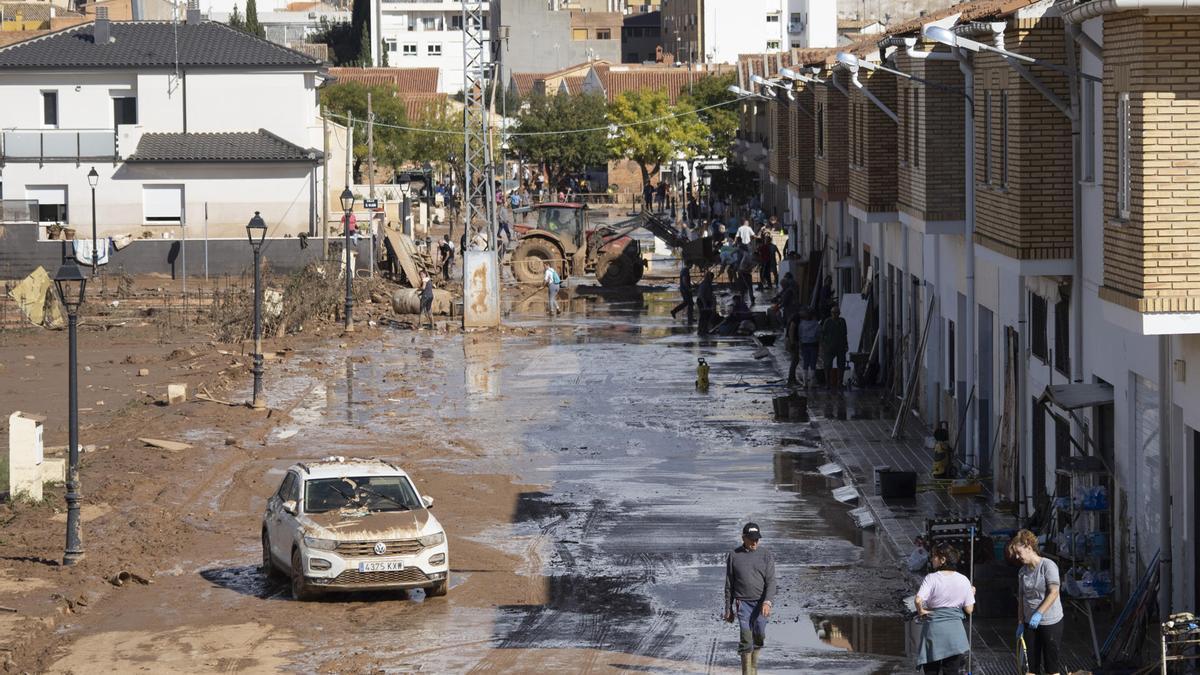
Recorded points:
281,540
288,527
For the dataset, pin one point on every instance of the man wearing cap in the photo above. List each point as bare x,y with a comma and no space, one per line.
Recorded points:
749,591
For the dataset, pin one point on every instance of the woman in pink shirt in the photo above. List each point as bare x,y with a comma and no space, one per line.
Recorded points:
943,602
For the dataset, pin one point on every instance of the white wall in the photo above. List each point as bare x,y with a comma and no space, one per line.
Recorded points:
820,23
732,28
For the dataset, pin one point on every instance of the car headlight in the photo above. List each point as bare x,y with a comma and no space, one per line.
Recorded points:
432,539
320,544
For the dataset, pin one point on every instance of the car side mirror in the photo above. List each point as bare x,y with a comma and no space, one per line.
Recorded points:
290,506
427,501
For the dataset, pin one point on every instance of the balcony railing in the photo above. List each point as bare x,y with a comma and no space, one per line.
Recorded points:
797,27
58,145
18,211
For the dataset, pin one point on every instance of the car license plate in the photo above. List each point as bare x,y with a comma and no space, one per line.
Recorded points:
381,566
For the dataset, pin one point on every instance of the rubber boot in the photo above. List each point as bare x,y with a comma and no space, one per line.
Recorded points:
754,662
748,663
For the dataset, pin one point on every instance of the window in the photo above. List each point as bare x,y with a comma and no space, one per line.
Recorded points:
50,108
603,33
951,349
162,204
797,18
1123,155
773,17
1089,131
905,123
987,137
433,49
1062,333
124,110
456,22
391,45
1037,319
820,125
432,23
1004,138
52,202
772,45
410,49
579,34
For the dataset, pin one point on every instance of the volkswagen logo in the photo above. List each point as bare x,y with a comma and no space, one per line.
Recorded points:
380,548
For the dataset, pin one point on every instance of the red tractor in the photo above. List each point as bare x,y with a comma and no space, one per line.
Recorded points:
564,235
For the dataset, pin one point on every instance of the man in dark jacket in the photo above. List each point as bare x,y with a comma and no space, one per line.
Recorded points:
834,347
749,592
685,292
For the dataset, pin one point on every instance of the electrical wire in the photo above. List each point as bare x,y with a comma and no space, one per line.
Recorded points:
562,132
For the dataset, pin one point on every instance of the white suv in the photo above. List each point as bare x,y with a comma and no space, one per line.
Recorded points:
351,525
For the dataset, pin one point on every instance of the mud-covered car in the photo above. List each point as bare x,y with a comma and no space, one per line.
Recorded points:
353,525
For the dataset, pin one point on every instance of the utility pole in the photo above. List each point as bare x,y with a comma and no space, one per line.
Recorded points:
349,148
371,180
324,191
481,269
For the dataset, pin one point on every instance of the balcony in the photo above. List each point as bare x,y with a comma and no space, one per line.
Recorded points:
18,211
797,27
58,145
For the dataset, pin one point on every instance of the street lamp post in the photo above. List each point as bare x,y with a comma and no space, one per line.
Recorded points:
93,180
71,284
256,232
347,200
406,222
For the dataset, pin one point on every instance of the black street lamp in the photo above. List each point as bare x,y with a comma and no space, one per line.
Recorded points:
348,206
93,180
256,232
71,284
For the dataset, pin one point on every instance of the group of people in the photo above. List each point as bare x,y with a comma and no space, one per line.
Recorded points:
943,602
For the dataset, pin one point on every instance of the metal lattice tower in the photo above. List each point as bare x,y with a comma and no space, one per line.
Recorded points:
479,202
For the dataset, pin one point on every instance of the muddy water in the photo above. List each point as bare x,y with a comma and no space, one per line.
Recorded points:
643,485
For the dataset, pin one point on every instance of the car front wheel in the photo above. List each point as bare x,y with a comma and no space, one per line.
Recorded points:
438,590
300,589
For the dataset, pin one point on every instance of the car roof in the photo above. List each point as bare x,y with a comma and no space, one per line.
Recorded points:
336,467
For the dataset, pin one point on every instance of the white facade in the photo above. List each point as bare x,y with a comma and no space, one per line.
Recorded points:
717,32
130,196
426,34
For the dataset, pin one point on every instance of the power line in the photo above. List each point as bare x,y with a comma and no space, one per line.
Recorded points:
562,132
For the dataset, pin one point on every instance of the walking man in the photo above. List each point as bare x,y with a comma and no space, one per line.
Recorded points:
446,249
834,347
749,592
426,301
552,282
685,291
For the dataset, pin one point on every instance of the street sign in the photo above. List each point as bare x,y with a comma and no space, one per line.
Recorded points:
370,203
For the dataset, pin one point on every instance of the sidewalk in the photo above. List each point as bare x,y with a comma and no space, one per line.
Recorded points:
855,426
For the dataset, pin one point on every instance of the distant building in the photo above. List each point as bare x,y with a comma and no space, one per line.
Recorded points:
428,34
547,35
641,37
708,31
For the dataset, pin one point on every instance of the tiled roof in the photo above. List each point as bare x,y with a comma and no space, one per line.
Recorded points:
30,11
525,81
574,84
405,80
251,146
971,11
151,44
578,68
671,81
420,101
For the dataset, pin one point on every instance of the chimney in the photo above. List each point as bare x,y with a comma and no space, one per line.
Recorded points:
193,13
100,31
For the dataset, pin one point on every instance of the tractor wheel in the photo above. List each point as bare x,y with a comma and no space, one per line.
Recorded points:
528,258
619,268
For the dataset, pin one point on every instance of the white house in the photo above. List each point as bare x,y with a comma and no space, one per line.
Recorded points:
426,34
188,126
717,32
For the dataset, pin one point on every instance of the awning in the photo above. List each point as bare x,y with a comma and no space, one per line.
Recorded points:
1078,395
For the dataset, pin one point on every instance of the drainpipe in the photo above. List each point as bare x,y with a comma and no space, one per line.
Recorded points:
1022,423
1166,424
968,339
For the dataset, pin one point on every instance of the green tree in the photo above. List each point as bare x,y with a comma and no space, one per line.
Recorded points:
721,120
392,146
339,37
253,27
561,154
650,132
235,19
364,49
443,138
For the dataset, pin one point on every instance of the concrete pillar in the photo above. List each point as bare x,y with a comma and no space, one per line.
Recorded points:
25,455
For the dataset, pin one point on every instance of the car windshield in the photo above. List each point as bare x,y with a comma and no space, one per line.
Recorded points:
372,493
555,219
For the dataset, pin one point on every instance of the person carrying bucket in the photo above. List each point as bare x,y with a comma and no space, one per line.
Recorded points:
945,599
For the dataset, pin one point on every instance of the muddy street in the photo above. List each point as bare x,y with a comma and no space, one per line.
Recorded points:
589,494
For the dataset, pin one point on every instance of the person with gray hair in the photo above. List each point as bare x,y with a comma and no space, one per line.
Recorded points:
749,593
